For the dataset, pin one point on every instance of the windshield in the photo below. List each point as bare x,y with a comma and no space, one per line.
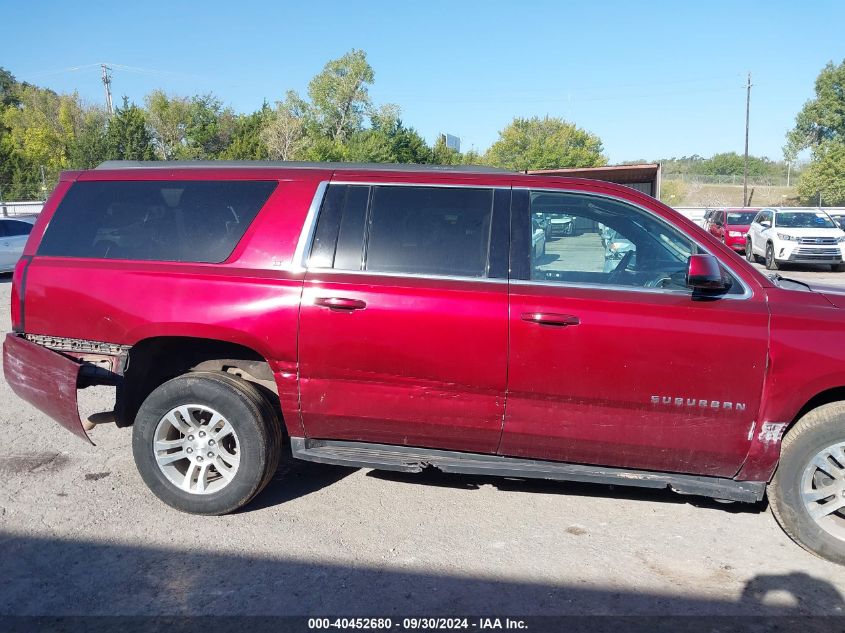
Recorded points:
741,217
793,220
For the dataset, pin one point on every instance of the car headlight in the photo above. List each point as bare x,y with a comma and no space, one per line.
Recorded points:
735,233
788,238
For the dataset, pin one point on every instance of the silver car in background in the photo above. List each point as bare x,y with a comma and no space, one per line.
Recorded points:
13,235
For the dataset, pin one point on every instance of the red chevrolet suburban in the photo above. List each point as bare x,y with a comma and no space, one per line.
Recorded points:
398,317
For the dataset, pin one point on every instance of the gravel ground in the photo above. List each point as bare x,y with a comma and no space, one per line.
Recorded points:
80,534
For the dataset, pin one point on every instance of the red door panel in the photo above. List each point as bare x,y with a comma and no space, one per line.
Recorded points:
582,388
413,361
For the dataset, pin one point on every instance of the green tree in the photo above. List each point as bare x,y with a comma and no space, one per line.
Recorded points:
8,89
8,86
820,126
90,146
168,119
441,154
246,142
545,143
41,130
733,164
284,130
127,137
387,140
210,128
472,157
823,117
824,178
340,95
184,128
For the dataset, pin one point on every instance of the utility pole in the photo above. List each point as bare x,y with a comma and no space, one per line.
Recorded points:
107,86
745,169
43,184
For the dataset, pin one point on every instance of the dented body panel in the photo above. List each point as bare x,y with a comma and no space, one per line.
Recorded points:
45,379
806,348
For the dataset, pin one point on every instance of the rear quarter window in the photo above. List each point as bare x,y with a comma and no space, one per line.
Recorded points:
178,221
15,228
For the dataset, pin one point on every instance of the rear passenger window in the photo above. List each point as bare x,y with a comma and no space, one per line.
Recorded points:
179,221
429,230
15,228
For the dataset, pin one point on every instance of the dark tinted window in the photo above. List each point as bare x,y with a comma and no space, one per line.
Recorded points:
13,228
339,236
181,221
429,230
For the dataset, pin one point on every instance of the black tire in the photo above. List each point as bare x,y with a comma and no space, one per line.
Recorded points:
771,262
820,428
838,268
749,252
253,419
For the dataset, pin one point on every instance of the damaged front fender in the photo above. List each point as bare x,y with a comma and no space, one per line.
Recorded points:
45,379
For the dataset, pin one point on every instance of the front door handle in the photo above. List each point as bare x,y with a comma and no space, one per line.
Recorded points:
340,303
550,318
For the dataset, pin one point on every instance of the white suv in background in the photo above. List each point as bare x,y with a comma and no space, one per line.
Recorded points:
799,236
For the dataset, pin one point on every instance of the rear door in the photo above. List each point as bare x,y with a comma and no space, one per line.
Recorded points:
403,323
612,360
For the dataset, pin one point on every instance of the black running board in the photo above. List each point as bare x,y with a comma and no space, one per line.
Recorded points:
410,459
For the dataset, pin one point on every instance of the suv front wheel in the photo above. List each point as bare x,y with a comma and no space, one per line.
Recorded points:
807,494
206,442
749,252
771,262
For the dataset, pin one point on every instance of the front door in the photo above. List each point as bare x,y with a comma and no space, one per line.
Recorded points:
612,360
403,324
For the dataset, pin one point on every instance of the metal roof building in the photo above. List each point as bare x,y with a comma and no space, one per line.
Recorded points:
645,177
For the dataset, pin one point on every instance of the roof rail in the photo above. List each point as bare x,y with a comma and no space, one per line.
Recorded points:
285,164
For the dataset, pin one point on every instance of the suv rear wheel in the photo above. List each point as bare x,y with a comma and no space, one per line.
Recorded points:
206,442
807,494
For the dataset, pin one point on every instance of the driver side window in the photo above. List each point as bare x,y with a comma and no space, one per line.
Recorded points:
583,239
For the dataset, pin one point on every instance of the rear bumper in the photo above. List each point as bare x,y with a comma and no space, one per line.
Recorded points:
45,379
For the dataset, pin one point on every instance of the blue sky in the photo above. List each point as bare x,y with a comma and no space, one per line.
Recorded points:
652,79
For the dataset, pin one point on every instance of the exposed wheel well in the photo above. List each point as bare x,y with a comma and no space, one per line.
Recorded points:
154,361
836,394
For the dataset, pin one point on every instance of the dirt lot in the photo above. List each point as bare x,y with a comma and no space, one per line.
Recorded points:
81,535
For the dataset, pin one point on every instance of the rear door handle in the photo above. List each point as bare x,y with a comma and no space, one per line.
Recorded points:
550,318
340,303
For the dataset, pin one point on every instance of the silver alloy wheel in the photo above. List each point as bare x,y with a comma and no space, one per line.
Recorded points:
823,489
196,449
